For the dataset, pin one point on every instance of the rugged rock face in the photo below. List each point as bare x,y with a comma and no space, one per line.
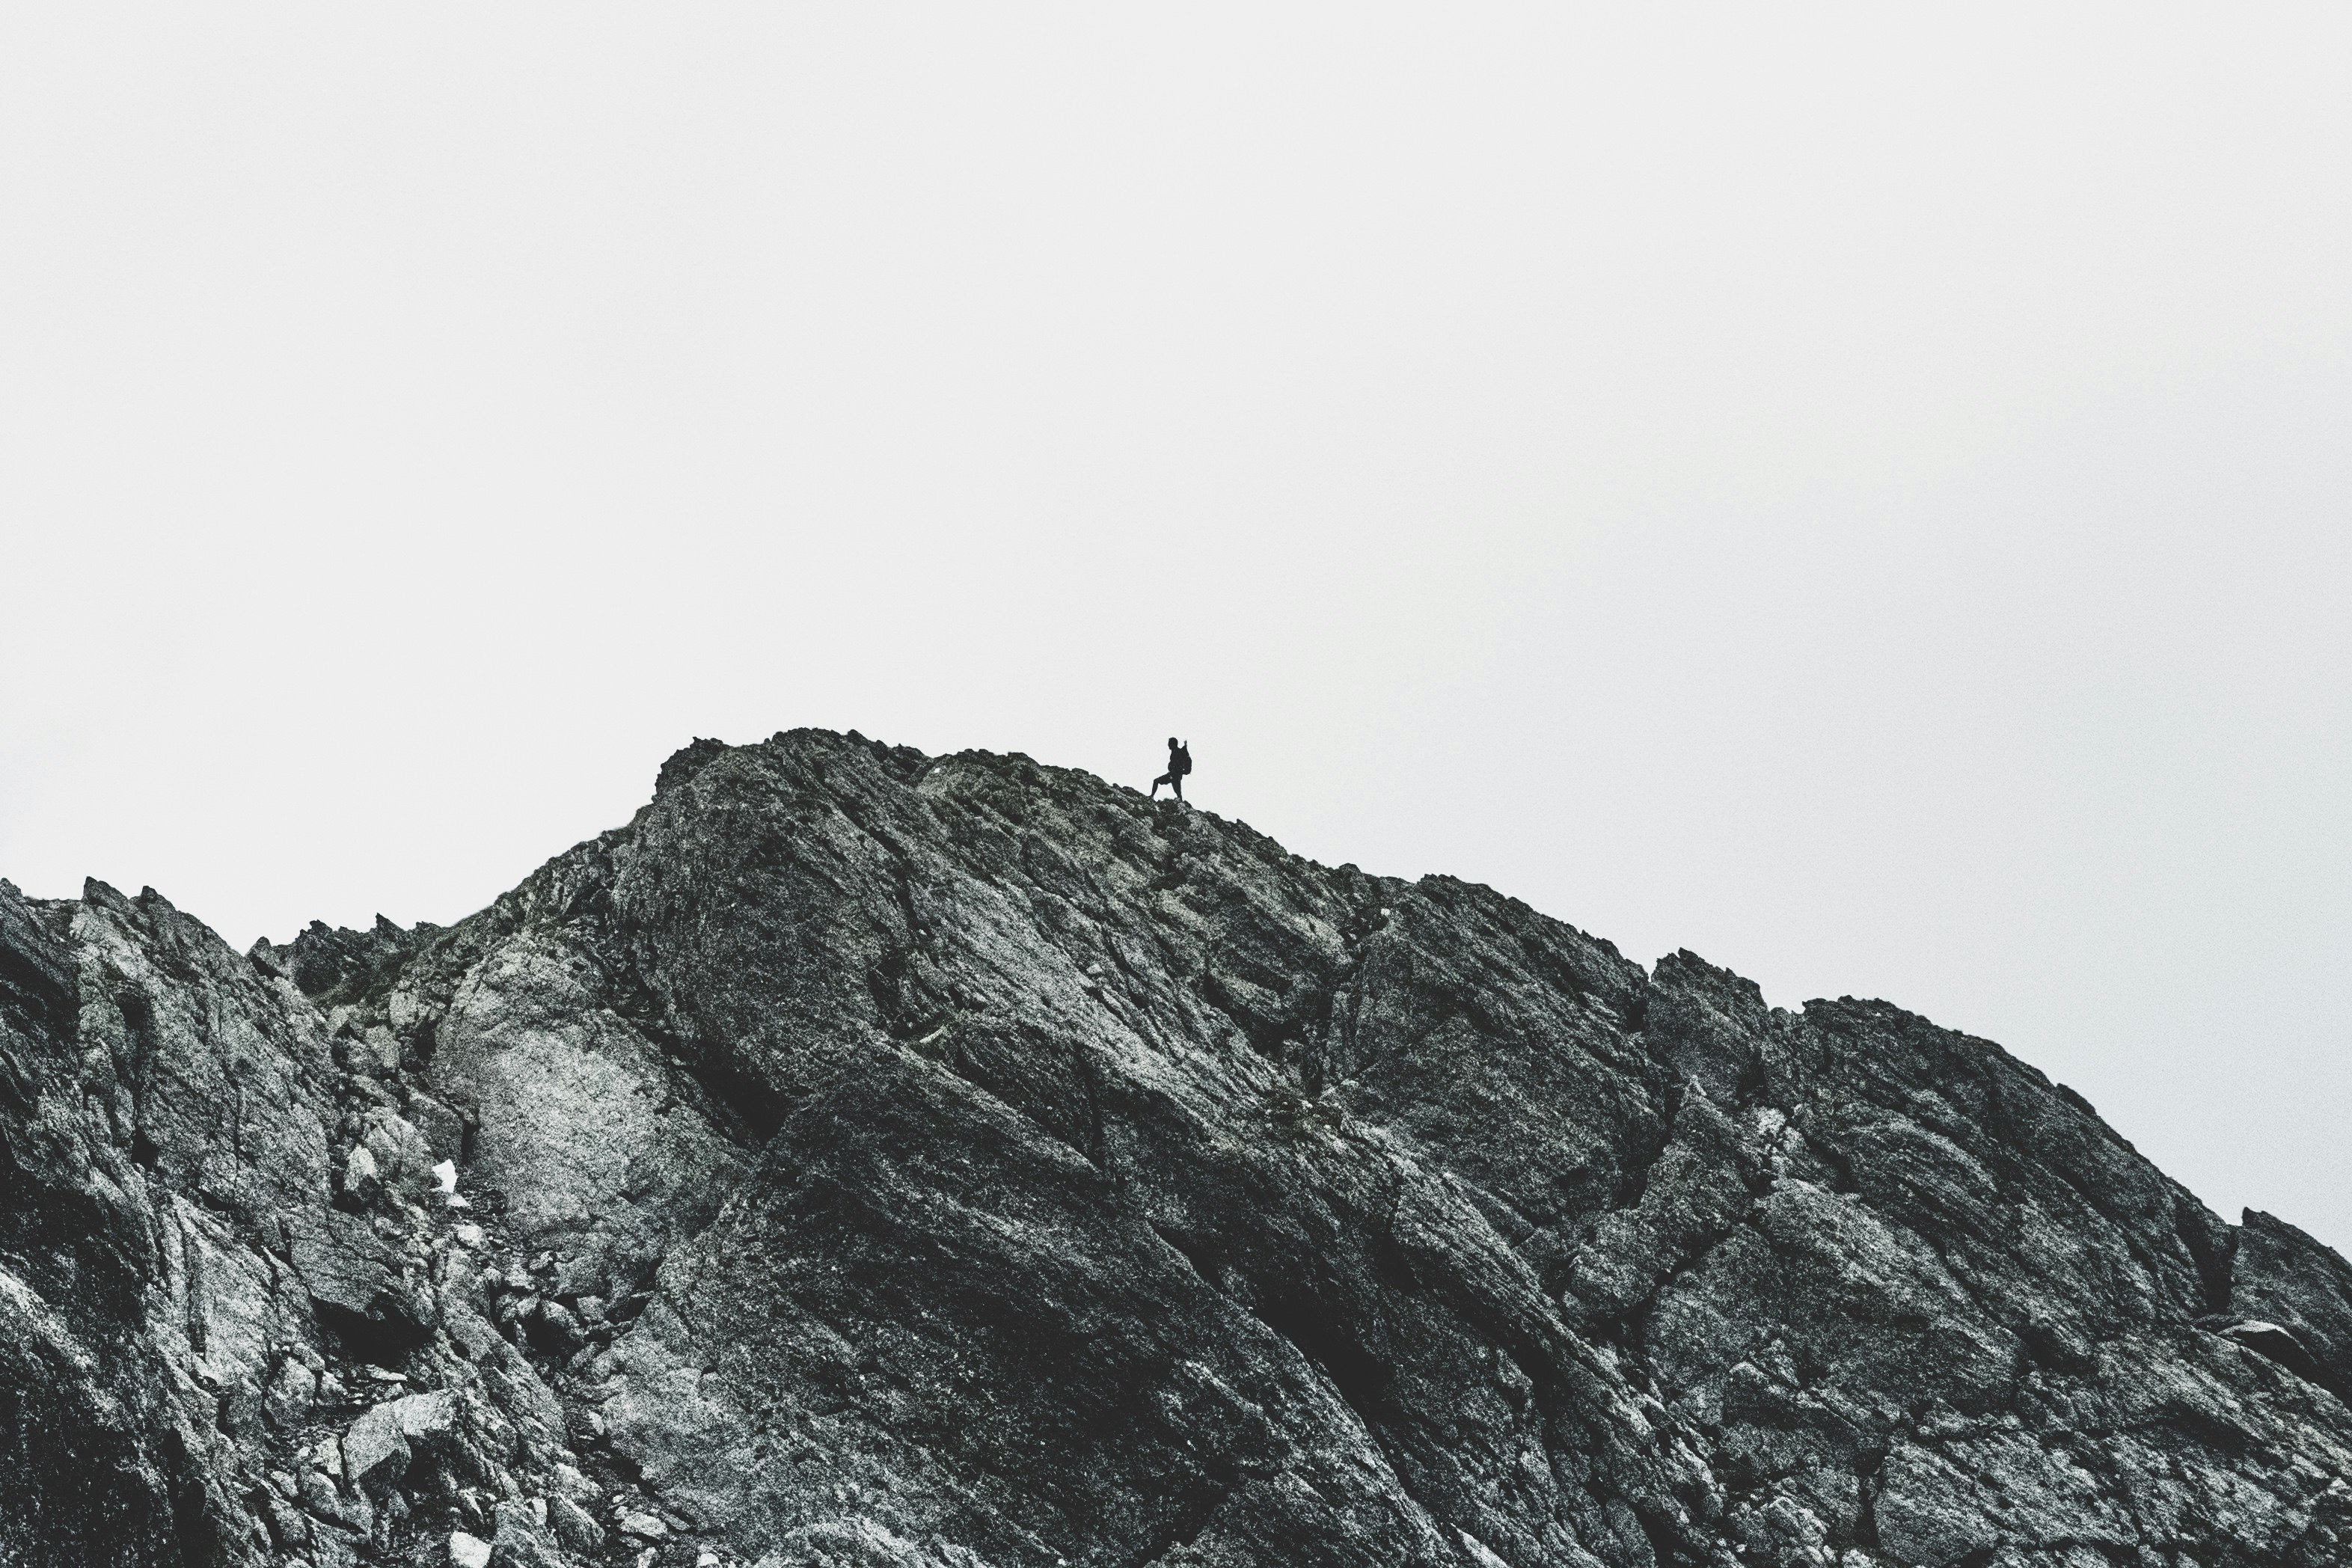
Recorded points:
871,1158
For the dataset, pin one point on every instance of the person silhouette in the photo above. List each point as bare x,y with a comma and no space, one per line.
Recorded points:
1179,763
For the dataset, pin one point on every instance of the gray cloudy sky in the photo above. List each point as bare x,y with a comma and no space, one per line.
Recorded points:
1863,496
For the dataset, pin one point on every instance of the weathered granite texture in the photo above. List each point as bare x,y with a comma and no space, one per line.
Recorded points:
882,1160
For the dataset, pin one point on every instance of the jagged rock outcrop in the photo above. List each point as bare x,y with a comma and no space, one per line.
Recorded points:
865,1158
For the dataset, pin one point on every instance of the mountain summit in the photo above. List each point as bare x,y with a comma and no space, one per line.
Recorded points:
870,1159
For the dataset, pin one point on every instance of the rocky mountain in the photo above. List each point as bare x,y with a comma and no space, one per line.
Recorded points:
870,1159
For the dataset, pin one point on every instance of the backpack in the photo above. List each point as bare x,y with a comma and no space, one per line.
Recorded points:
1180,760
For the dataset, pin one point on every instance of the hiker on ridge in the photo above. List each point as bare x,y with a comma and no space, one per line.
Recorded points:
1179,763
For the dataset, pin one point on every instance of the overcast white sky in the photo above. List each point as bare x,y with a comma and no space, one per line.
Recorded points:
1863,496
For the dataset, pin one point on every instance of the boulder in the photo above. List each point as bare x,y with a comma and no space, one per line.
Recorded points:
288,1394
573,1526
351,1271
428,1422
363,1181
375,1450
521,1540
401,1154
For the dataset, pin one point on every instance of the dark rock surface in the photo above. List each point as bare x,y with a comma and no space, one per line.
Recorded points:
871,1158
